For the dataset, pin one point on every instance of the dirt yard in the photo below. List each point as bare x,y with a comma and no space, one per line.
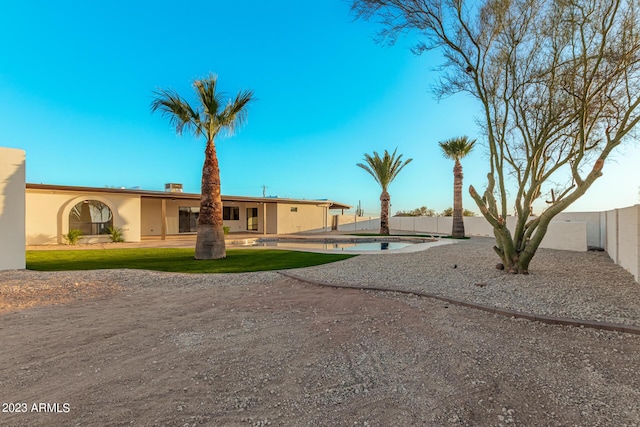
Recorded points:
97,353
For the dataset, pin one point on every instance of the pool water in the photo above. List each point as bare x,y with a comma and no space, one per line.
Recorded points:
336,246
378,246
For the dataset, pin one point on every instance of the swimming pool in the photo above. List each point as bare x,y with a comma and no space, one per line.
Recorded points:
336,246
354,245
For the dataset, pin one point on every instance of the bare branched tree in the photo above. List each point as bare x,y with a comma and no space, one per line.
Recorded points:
559,86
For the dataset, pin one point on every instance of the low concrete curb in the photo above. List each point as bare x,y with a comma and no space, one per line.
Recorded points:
593,324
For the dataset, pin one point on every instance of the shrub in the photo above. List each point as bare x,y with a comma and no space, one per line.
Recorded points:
73,236
226,230
116,234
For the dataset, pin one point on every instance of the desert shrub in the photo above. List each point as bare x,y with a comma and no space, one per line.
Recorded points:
116,234
73,236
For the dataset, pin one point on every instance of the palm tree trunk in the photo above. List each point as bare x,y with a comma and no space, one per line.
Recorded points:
210,240
385,198
457,230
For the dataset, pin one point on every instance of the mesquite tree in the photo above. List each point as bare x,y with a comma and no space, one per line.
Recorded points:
558,82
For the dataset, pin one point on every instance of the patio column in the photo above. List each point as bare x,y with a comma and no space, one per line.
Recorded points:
163,222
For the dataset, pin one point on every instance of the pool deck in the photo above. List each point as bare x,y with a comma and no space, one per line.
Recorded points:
237,240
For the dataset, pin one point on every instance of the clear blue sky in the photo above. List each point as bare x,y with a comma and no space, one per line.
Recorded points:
76,81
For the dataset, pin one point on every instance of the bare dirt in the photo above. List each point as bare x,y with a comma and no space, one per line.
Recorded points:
96,353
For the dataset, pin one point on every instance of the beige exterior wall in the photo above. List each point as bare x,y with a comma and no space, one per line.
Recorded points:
151,217
241,224
272,218
153,214
172,209
305,218
12,209
47,215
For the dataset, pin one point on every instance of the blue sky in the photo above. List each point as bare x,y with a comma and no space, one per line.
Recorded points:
77,78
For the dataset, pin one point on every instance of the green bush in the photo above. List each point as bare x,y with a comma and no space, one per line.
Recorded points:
226,230
116,234
73,236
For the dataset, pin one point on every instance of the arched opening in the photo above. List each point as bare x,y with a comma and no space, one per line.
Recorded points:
91,217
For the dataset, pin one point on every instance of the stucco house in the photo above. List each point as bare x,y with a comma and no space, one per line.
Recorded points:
52,210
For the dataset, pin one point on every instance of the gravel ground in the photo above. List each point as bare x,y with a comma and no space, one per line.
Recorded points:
580,285
126,347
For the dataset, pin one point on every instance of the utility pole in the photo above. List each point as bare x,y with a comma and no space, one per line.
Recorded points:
264,190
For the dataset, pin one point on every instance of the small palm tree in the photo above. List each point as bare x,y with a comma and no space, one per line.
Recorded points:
384,170
213,115
455,149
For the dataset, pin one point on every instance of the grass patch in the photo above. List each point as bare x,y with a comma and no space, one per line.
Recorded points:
179,260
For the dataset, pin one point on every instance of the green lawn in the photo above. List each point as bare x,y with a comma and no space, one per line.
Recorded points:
176,260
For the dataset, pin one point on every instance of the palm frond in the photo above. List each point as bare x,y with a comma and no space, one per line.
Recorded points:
210,118
209,98
181,115
235,113
384,169
371,172
457,148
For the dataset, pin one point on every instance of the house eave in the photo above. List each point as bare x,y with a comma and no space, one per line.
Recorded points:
179,195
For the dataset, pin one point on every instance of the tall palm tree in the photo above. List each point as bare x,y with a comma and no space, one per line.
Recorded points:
455,149
384,170
213,115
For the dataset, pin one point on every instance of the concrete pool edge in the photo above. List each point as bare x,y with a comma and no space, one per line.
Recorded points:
416,243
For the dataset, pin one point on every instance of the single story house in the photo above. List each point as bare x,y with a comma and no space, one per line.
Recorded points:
52,210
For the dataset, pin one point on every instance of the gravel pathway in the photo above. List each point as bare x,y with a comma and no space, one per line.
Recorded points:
579,285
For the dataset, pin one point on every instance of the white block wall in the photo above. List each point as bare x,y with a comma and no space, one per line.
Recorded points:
565,235
623,238
12,209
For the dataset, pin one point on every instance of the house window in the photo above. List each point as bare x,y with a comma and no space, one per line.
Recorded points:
91,217
294,209
231,213
188,219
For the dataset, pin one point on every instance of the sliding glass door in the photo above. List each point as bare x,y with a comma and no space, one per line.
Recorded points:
252,219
